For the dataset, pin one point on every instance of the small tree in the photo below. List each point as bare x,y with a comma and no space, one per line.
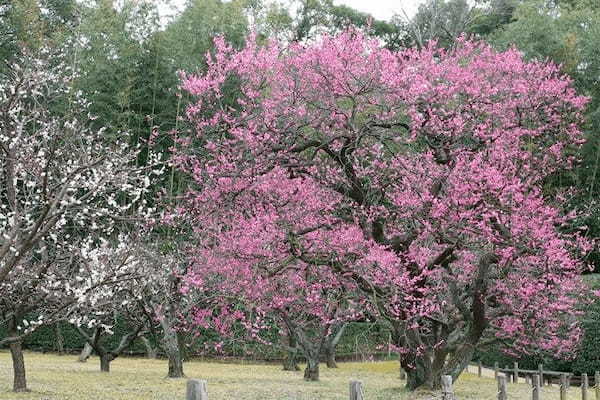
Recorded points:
413,177
96,313
163,299
309,304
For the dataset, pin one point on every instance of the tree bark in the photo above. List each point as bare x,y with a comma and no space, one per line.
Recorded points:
106,356
330,345
311,347
289,362
459,361
20,380
311,372
60,341
86,352
172,349
105,360
175,366
418,371
150,350
330,357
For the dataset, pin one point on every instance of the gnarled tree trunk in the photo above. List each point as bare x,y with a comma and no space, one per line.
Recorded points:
427,370
456,344
418,371
459,360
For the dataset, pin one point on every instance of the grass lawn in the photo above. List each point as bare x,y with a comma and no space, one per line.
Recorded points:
52,377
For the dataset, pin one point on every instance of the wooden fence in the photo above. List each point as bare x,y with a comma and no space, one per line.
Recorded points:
198,390
540,377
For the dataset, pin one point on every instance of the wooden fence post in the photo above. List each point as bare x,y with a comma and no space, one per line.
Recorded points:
496,367
535,393
541,369
584,386
196,390
502,387
516,372
597,384
563,386
447,391
479,369
356,391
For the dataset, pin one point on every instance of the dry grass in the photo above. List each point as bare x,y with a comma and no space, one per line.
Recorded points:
54,377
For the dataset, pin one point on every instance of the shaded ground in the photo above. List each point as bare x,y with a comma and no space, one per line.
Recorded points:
53,377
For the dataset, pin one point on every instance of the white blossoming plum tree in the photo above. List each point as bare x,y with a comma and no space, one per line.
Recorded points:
63,187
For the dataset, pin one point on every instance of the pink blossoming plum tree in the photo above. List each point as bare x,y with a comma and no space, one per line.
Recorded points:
410,182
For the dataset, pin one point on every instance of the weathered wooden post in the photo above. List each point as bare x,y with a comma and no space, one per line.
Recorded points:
563,386
356,391
196,390
447,391
516,372
541,369
584,386
496,368
502,387
479,369
535,393
597,384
